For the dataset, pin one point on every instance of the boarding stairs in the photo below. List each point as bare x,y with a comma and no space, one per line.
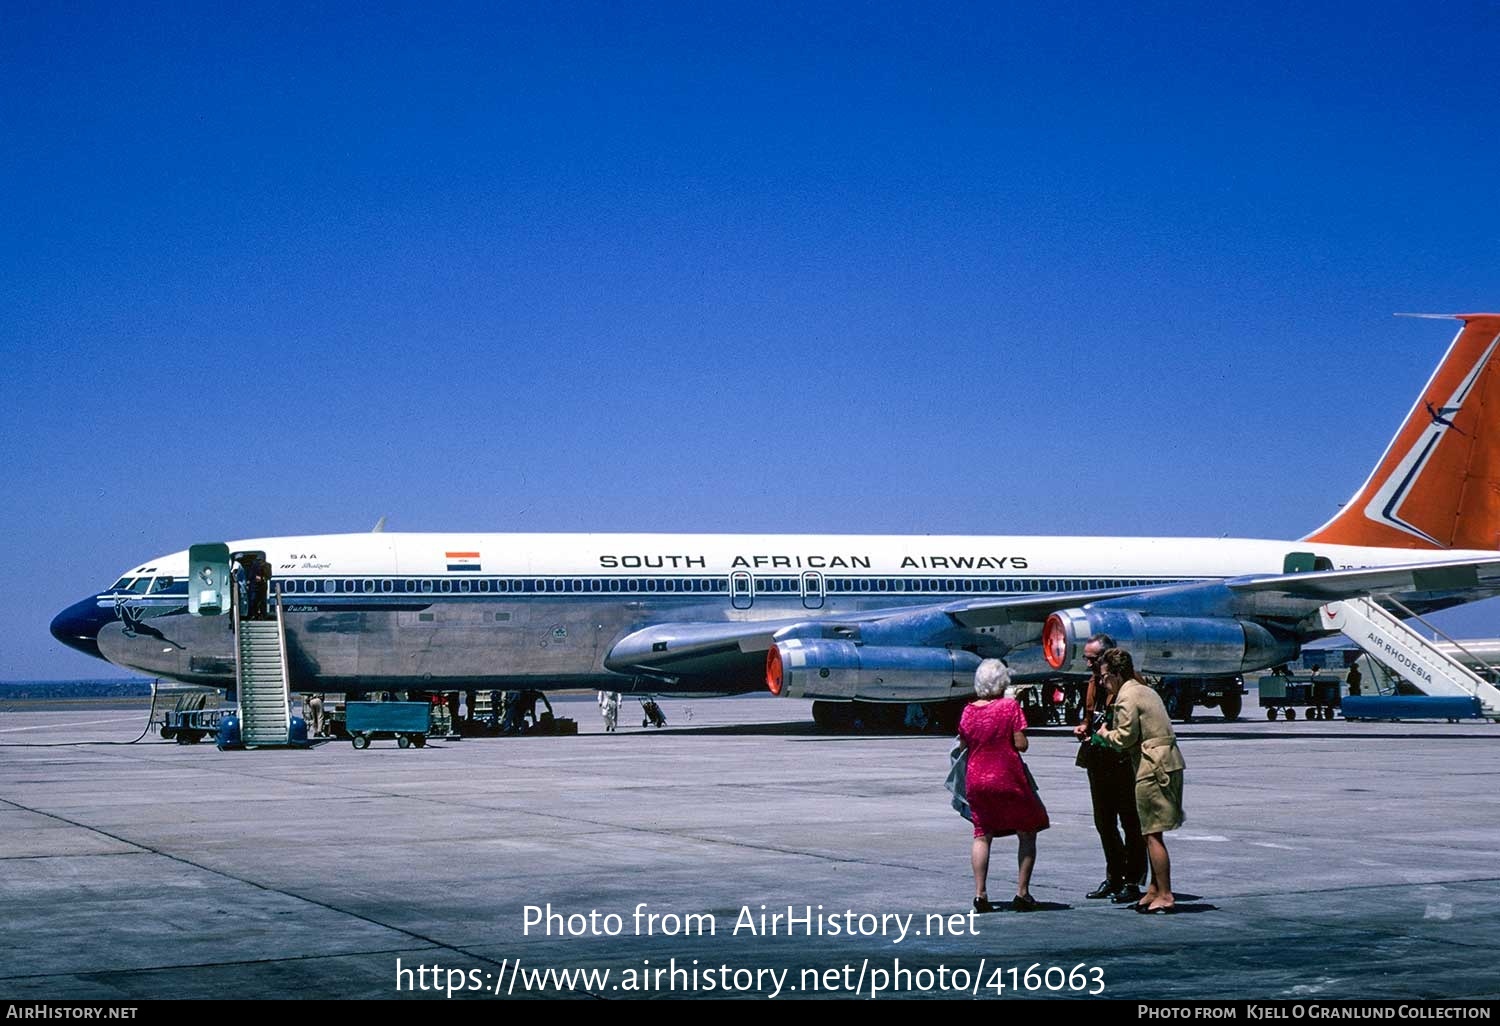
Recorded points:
261,679
1390,642
1379,680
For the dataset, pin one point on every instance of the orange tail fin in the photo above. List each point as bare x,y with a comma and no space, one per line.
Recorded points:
1438,484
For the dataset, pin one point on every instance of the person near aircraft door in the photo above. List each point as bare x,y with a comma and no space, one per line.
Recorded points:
1111,790
257,578
1143,730
1002,797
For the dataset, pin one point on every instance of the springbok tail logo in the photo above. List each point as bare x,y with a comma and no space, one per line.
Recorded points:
1438,483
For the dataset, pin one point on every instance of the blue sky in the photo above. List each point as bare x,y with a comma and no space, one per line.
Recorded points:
845,268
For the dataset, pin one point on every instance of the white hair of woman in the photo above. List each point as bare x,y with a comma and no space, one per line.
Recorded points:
991,678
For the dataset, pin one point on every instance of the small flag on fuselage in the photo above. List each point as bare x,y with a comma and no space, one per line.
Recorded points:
462,560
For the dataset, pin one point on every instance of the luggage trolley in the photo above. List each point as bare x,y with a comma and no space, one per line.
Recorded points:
407,722
651,714
190,722
1321,696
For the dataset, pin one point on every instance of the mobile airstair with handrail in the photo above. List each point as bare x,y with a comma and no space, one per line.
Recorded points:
1420,662
261,679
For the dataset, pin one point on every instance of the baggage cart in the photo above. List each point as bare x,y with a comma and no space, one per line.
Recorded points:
406,722
1320,695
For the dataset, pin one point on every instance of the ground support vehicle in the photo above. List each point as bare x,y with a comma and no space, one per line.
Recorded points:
1181,695
1284,695
406,722
189,722
515,713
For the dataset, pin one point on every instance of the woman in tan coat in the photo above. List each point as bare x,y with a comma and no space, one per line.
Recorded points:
1143,730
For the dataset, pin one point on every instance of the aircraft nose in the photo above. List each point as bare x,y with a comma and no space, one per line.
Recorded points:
78,625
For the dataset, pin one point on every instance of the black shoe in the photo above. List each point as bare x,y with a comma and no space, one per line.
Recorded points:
1024,903
983,905
1128,893
1107,889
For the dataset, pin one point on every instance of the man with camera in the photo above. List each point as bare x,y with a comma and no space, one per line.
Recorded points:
1112,789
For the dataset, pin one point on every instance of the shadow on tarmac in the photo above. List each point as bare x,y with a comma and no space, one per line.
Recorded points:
1350,733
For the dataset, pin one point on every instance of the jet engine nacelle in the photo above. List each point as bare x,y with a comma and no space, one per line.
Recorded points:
829,669
1165,644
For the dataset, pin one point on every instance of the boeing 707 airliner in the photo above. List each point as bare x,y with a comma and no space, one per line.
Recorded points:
840,618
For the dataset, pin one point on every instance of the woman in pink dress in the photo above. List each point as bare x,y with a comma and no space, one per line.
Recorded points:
997,786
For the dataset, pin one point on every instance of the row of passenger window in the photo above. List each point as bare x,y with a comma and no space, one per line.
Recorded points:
465,585
969,585
701,585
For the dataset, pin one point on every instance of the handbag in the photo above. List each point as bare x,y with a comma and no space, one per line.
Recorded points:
957,782
1031,781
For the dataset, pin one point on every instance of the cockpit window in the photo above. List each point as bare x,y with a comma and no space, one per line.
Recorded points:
139,585
169,586
123,584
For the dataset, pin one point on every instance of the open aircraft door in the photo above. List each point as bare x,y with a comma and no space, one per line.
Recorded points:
210,587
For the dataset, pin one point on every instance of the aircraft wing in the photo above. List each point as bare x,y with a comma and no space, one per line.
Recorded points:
1423,587
997,625
1465,579
717,648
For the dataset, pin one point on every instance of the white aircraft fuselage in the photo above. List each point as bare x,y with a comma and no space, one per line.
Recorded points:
397,612
840,617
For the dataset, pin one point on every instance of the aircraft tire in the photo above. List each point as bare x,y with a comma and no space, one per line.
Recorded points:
1179,705
1232,706
1291,714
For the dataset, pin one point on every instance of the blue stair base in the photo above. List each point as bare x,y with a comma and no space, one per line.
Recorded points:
1410,707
